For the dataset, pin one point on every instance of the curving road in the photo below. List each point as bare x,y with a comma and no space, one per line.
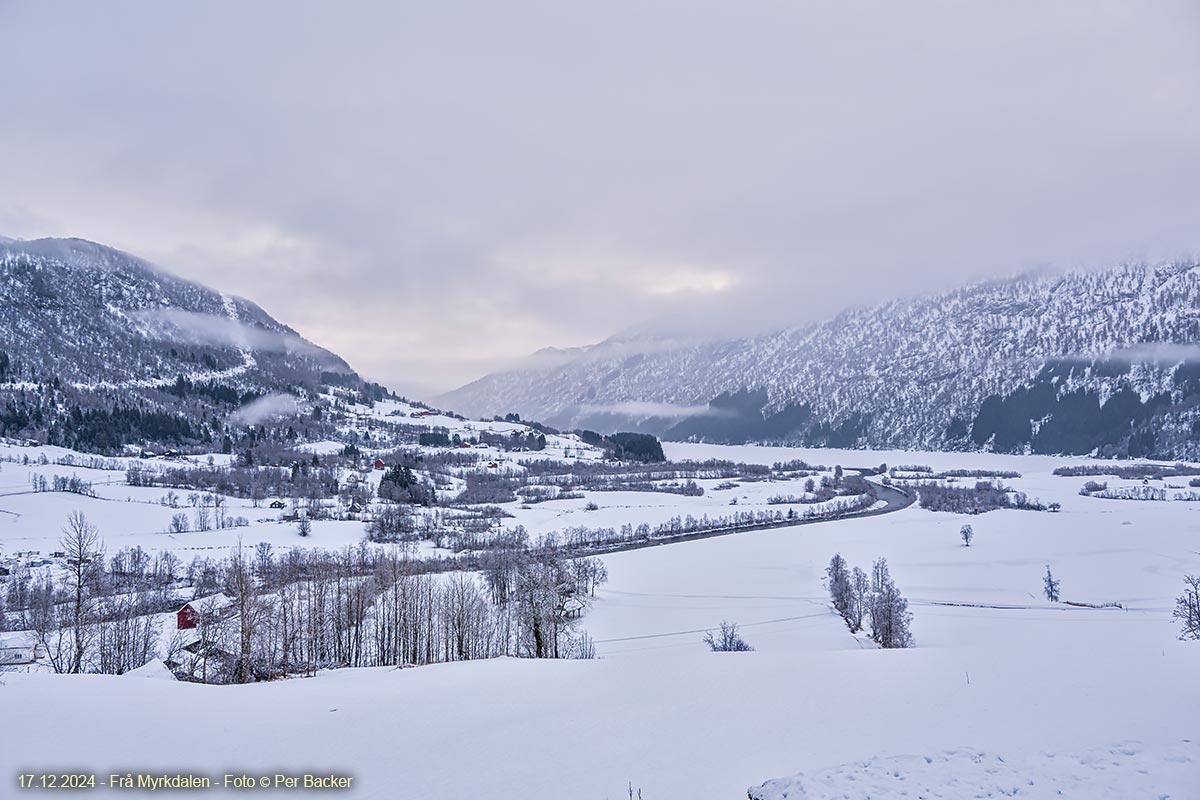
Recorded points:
896,499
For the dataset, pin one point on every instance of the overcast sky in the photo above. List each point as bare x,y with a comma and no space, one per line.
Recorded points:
437,189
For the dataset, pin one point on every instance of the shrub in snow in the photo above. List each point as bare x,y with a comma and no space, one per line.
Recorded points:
860,592
728,640
855,596
578,647
1187,608
979,473
1132,493
487,488
899,468
890,617
392,523
840,591
1050,586
967,533
983,497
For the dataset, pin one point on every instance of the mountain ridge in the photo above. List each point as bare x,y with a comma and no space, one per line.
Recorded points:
124,300
101,349
1045,352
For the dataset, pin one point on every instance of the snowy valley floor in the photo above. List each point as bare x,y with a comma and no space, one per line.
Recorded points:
1004,695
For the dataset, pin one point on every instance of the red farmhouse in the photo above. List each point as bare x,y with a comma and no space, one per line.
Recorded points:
192,613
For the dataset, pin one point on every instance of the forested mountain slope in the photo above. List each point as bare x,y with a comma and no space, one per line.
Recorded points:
89,314
99,349
1090,361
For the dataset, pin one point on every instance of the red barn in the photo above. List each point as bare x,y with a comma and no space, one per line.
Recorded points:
187,617
192,613
379,464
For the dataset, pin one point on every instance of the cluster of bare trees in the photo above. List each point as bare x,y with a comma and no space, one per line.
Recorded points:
984,496
487,487
874,599
688,488
926,472
584,538
90,619
309,610
1127,493
459,529
262,614
1141,492
531,495
516,440
1187,608
587,472
1137,471
829,488
478,527
72,484
300,481
726,640
209,511
78,460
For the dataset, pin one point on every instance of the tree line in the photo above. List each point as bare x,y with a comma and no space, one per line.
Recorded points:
302,610
984,496
870,599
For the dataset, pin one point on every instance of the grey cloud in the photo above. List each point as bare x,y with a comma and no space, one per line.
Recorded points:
1157,352
433,189
265,408
648,409
174,324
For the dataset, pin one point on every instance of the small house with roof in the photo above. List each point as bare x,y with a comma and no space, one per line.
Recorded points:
205,609
18,647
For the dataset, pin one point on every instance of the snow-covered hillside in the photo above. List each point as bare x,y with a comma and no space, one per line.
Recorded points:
1032,362
98,318
1004,692
100,350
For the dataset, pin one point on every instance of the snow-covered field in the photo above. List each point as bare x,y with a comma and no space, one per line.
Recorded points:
362,417
130,516
1127,769
136,517
1005,694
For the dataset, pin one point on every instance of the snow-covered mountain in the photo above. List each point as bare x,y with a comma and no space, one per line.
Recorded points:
99,348
91,315
1106,361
